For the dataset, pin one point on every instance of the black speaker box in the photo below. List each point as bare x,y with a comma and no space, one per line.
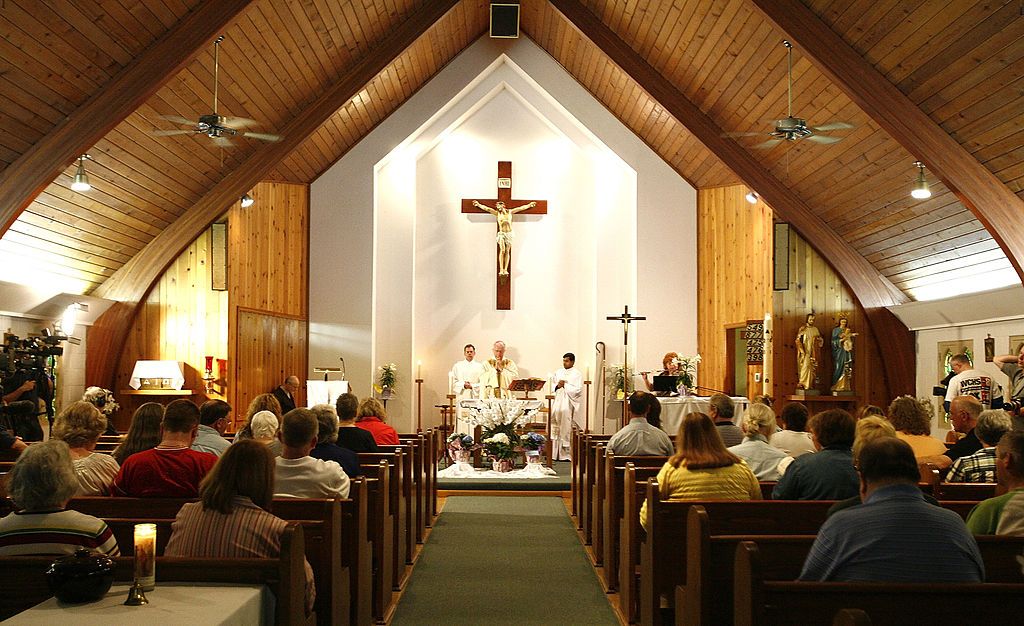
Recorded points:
504,20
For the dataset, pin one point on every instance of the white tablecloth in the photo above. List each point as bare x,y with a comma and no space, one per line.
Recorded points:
190,604
673,408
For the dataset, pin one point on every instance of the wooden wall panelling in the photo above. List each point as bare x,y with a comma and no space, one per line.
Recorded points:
268,347
734,275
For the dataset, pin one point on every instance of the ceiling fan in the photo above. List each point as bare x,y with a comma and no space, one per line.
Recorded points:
215,126
792,128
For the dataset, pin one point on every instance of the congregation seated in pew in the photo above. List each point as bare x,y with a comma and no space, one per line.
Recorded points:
172,469
756,450
326,448
350,435
80,426
299,475
980,467
232,518
894,536
372,417
262,402
1004,514
143,432
793,439
828,474
213,422
41,483
912,420
642,435
702,468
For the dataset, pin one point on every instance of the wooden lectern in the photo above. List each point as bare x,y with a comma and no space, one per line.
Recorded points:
526,385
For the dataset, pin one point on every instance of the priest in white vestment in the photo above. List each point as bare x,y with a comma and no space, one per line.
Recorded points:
498,373
465,377
567,386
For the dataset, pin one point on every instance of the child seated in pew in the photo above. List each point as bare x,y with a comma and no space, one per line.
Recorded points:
894,536
41,483
702,468
231,519
1004,515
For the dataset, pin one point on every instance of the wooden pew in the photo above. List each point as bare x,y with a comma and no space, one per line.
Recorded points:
966,491
397,505
407,504
419,483
379,525
593,480
23,577
630,534
613,504
357,552
585,480
762,602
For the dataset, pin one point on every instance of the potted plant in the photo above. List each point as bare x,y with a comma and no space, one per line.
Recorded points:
532,443
686,378
500,450
460,446
386,378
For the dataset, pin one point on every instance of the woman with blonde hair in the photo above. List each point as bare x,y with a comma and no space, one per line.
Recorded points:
913,423
761,457
80,426
702,468
232,518
370,417
143,433
262,402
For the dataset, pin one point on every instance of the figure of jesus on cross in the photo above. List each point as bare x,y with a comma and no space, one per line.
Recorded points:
504,217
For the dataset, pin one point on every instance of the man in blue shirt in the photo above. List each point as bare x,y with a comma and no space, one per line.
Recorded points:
895,536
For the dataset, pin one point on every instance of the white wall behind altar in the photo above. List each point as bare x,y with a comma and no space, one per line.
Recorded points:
398,274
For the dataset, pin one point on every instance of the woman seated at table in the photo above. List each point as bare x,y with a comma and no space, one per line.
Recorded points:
761,457
669,367
143,433
231,519
702,468
913,423
264,427
371,417
41,483
80,426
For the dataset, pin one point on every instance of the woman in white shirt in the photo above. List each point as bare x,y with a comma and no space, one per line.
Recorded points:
80,426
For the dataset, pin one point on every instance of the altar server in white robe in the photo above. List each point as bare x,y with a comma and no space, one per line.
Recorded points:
465,377
498,373
567,386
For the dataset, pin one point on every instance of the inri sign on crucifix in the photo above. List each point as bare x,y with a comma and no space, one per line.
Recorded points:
503,208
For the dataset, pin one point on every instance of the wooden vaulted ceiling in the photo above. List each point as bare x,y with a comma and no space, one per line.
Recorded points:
959,62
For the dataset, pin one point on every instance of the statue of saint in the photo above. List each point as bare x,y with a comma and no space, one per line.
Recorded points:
808,346
842,356
504,217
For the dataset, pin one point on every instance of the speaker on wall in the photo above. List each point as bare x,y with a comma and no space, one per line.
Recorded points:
504,20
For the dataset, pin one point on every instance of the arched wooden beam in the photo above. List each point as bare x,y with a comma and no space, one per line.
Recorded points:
991,201
868,285
30,174
130,284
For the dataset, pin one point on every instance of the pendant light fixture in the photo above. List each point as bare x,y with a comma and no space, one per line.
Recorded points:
920,190
81,179
752,197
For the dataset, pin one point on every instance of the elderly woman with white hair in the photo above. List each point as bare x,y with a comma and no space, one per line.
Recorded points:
41,483
265,426
762,458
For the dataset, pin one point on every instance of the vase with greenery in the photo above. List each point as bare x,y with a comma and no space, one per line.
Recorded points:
387,376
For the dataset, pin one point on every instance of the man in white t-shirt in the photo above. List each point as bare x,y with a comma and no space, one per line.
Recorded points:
465,377
299,475
971,382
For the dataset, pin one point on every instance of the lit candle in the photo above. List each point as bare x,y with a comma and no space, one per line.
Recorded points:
588,372
419,369
145,555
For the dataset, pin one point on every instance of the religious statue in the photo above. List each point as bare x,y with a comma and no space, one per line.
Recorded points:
842,356
504,217
808,345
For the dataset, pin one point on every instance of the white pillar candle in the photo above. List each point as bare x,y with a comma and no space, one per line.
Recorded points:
145,555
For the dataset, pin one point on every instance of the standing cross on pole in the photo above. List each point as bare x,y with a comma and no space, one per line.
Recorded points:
626,320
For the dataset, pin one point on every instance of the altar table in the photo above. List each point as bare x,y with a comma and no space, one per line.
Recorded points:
673,408
170,603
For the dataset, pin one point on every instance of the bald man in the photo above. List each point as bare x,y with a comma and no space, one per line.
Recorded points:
963,413
498,373
285,394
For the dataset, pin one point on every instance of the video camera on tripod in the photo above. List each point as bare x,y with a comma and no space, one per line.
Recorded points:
22,361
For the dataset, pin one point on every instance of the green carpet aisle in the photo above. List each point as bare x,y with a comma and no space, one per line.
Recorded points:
503,560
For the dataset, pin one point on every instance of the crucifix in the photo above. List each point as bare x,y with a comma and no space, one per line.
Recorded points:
503,212
626,320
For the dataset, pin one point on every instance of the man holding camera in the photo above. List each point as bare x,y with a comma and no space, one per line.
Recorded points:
19,408
1013,366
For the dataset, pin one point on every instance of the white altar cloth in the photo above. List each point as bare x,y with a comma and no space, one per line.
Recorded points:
465,470
673,408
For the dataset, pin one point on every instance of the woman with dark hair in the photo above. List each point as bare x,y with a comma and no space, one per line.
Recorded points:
371,418
143,433
231,519
828,474
262,402
80,426
702,468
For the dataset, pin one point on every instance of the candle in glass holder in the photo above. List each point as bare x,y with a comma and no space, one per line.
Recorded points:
209,363
145,555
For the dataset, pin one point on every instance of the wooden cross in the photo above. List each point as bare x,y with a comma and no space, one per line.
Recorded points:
471,205
626,320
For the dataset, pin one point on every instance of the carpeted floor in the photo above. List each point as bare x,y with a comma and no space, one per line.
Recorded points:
503,560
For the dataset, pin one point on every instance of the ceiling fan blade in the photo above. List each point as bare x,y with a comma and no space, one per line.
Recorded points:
742,134
769,143
822,139
237,122
833,126
222,142
169,133
262,136
177,119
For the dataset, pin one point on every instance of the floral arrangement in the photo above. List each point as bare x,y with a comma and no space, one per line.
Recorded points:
532,441
387,376
102,399
461,441
617,379
687,369
503,415
499,446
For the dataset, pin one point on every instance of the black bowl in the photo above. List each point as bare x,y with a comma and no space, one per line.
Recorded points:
83,577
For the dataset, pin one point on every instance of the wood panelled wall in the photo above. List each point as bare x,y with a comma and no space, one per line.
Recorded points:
734,284
183,319
268,283
734,276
